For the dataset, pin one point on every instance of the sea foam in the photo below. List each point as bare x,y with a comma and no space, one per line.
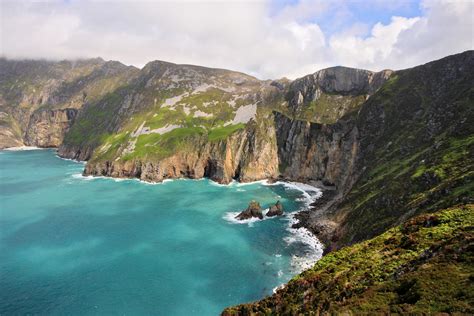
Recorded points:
230,217
23,148
313,248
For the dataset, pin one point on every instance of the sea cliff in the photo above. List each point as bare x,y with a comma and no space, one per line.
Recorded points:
386,145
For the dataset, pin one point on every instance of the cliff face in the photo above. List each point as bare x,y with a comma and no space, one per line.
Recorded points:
48,127
39,99
311,151
238,156
327,95
176,121
315,139
10,131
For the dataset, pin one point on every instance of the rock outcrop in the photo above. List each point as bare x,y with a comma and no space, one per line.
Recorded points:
253,210
275,210
48,127
39,100
317,137
10,132
311,151
246,155
329,94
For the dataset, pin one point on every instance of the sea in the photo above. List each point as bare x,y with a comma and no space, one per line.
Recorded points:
80,245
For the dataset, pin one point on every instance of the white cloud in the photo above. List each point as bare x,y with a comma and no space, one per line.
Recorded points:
373,50
446,28
244,35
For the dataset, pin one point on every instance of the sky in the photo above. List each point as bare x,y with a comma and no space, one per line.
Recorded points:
269,39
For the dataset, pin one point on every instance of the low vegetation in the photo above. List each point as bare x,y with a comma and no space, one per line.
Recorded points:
421,267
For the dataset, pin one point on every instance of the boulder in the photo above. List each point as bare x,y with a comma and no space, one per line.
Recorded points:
253,210
275,210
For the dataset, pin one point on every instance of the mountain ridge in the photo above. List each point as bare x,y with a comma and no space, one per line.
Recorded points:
386,145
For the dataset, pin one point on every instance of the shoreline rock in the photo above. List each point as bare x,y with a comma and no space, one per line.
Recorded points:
253,210
275,210
316,220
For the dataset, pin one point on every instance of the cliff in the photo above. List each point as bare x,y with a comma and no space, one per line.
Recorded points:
238,156
47,128
176,121
389,145
327,95
40,99
414,151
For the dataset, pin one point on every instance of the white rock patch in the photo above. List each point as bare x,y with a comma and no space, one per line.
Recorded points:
199,113
130,147
139,130
164,129
202,88
245,113
186,109
172,101
104,148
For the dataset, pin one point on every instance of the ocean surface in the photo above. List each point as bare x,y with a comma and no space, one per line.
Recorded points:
74,245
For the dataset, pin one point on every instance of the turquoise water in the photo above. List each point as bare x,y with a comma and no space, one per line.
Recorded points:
72,245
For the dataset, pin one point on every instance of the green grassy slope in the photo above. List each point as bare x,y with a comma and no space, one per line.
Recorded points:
416,156
165,109
421,267
416,148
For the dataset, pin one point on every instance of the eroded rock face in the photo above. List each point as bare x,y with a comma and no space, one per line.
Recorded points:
10,131
344,80
81,153
253,210
40,99
310,151
271,145
338,80
247,155
329,94
48,127
275,210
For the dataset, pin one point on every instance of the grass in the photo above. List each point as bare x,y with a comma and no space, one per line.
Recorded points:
416,152
223,132
422,266
327,109
156,146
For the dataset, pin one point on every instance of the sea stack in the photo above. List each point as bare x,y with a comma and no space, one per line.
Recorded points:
275,210
253,210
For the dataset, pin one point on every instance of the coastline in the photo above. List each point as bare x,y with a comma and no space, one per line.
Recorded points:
300,222
25,148
322,232
299,231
